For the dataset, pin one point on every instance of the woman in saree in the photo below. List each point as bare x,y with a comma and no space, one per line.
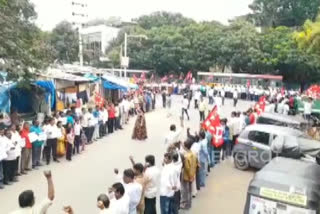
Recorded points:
61,136
140,130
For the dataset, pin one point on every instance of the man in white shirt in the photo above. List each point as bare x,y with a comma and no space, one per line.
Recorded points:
210,95
51,131
185,105
133,190
172,137
3,154
27,199
223,95
151,174
9,164
235,97
105,117
119,203
308,109
197,96
168,184
103,204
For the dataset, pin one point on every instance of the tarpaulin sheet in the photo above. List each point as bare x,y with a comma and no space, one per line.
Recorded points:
112,86
50,89
91,77
5,103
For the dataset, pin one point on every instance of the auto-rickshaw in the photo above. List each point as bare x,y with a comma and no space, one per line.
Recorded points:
285,186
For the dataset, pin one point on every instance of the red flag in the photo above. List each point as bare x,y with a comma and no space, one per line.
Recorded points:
212,124
164,79
314,91
248,83
99,101
143,76
188,78
260,106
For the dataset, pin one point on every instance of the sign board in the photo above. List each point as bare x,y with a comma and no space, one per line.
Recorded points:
263,206
125,62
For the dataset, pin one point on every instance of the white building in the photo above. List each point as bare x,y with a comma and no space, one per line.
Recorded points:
97,38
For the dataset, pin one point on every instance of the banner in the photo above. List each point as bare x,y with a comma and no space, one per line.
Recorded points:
213,125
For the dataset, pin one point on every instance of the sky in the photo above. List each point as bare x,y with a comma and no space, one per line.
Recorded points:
51,12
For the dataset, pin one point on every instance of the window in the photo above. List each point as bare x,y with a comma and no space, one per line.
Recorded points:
259,137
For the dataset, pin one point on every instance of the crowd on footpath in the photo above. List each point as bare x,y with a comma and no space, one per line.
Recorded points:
26,146
185,164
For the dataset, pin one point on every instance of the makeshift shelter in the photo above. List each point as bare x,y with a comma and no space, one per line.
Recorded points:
5,103
70,88
115,86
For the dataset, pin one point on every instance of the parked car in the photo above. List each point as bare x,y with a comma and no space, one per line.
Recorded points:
285,186
253,146
282,120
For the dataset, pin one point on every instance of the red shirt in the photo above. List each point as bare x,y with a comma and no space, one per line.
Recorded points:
252,119
25,134
111,112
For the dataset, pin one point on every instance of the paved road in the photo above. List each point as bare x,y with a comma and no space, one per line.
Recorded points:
79,182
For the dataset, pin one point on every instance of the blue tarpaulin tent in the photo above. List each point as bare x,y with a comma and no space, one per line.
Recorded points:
5,96
92,77
50,89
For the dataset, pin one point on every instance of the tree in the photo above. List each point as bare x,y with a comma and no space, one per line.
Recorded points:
66,42
21,42
291,13
309,38
159,19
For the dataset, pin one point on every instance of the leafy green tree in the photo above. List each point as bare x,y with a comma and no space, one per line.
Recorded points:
159,19
22,45
291,13
64,38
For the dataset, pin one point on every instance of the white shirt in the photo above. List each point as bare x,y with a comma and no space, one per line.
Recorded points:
92,121
41,208
4,148
286,109
168,180
235,95
210,92
20,142
133,191
120,206
185,103
12,154
171,138
307,107
77,129
195,148
51,131
152,173
197,95
105,115
178,168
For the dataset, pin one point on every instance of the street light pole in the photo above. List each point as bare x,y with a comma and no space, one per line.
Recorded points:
125,53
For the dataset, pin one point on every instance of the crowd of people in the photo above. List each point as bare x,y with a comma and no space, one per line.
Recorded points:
26,146
185,165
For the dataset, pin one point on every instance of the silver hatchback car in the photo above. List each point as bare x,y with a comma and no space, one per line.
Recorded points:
253,146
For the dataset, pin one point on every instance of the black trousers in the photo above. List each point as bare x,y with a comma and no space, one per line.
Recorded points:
69,151
185,111
101,129
51,147
217,154
202,116
111,122
150,206
235,101
77,142
9,168
195,104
